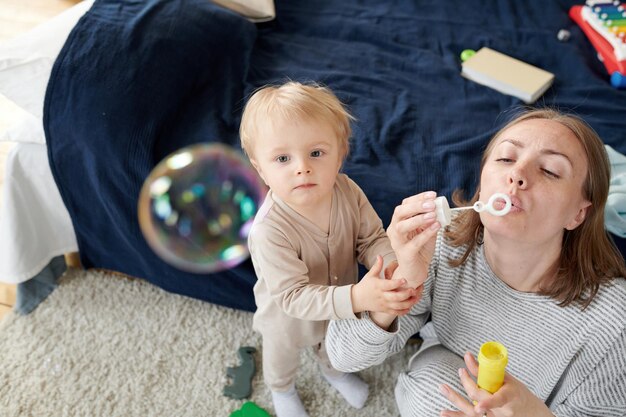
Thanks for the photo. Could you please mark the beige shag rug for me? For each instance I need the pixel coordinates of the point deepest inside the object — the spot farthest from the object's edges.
(104, 345)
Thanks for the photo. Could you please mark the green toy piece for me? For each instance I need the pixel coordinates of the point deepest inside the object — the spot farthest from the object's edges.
(241, 376)
(467, 54)
(250, 409)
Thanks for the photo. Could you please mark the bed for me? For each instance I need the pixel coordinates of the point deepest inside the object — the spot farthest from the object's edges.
(135, 81)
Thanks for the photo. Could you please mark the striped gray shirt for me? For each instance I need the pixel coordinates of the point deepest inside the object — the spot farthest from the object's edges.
(574, 360)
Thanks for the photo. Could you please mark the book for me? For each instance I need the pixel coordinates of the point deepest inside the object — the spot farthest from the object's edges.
(507, 75)
(254, 10)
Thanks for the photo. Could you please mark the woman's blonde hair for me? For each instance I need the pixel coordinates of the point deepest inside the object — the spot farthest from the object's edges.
(298, 102)
(589, 257)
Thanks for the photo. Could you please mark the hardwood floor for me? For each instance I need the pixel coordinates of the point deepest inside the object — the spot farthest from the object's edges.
(19, 16)
(16, 17)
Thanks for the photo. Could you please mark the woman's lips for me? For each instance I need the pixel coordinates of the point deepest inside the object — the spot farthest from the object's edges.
(516, 204)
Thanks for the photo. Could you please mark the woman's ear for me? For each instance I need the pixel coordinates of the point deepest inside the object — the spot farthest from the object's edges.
(580, 216)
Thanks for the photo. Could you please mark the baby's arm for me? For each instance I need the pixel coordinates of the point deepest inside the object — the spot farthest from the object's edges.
(409, 238)
(384, 299)
(372, 240)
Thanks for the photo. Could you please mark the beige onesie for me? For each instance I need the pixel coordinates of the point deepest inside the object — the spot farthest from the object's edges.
(305, 275)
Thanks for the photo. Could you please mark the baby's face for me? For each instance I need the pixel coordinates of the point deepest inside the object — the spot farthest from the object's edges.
(299, 161)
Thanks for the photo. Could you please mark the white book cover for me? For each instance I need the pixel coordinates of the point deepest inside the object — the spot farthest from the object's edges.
(507, 75)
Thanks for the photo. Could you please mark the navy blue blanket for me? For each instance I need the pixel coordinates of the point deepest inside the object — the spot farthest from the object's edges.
(138, 79)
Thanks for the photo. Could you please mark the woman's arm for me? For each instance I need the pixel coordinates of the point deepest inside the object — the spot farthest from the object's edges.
(353, 345)
(603, 392)
(412, 233)
(358, 344)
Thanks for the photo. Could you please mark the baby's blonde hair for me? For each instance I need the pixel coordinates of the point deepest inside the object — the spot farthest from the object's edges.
(294, 101)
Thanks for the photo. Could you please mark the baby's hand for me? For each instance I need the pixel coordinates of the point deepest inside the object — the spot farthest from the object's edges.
(383, 295)
(391, 268)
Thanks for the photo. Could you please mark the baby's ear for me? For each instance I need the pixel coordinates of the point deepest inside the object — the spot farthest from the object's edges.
(580, 216)
(258, 169)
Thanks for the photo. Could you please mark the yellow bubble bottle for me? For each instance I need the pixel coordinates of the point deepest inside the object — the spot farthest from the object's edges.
(492, 361)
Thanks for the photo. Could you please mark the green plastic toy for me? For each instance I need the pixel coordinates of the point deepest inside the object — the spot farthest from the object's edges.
(250, 409)
(241, 376)
(467, 54)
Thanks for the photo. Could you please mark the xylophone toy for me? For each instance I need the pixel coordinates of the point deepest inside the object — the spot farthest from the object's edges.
(604, 23)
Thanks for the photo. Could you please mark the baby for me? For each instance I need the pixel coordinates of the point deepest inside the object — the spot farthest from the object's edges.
(313, 227)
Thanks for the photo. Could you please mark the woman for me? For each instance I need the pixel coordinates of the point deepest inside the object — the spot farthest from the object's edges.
(545, 280)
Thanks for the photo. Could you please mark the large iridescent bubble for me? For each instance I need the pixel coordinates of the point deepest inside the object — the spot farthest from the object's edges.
(197, 206)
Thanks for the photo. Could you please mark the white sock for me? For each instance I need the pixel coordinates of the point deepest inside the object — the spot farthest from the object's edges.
(288, 404)
(351, 387)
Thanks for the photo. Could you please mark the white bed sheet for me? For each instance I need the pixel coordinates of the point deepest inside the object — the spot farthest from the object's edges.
(35, 226)
(34, 222)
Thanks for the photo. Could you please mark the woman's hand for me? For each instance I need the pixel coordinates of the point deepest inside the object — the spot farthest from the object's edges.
(513, 399)
(412, 234)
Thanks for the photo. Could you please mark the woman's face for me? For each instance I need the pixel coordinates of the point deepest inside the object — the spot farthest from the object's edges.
(542, 166)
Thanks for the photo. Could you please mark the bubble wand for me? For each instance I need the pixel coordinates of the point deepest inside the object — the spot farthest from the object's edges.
(444, 212)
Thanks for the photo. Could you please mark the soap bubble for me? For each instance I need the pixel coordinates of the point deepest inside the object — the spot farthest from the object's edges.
(197, 206)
